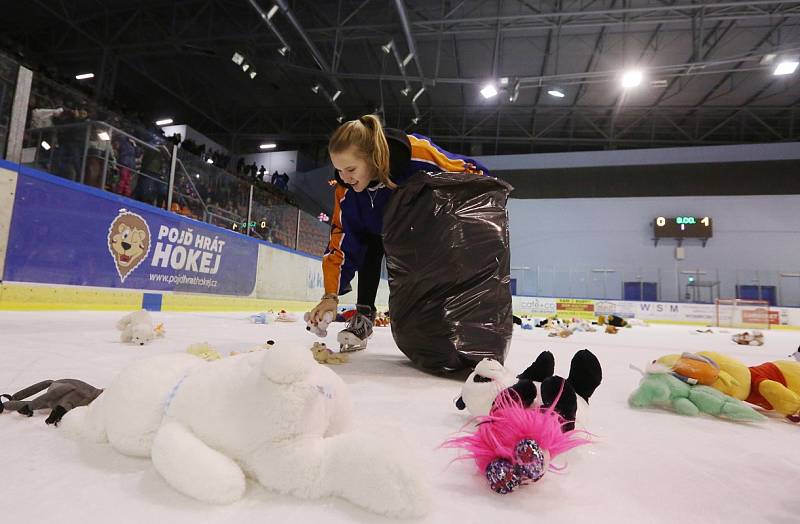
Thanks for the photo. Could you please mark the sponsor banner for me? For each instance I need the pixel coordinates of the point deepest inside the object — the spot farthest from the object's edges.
(62, 233)
(535, 306)
(575, 307)
(611, 307)
(674, 311)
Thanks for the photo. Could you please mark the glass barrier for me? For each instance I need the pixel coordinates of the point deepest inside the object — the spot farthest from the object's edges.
(8, 81)
(780, 287)
(100, 155)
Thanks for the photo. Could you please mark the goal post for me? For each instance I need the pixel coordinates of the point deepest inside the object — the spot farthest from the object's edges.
(741, 313)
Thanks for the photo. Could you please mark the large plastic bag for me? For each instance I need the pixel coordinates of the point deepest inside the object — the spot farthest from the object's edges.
(447, 253)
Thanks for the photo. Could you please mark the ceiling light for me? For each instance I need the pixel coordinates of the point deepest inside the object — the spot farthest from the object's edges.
(272, 11)
(209, 161)
(489, 90)
(245, 66)
(658, 83)
(271, 145)
(45, 145)
(102, 135)
(786, 67)
(164, 122)
(336, 95)
(315, 89)
(340, 118)
(415, 120)
(387, 48)
(197, 175)
(418, 94)
(556, 93)
(283, 50)
(406, 90)
(767, 59)
(504, 81)
(84, 76)
(237, 58)
(252, 75)
(631, 78)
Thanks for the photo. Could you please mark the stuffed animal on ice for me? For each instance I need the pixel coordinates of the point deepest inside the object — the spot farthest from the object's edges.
(320, 328)
(747, 338)
(138, 328)
(324, 355)
(61, 396)
(204, 350)
(771, 386)
(275, 416)
(684, 388)
(490, 378)
(516, 444)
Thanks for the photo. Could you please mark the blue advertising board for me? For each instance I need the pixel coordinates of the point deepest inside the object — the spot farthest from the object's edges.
(65, 233)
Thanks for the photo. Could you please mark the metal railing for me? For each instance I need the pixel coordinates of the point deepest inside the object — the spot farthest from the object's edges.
(98, 154)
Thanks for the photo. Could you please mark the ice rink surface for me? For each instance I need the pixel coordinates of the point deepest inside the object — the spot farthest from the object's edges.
(644, 466)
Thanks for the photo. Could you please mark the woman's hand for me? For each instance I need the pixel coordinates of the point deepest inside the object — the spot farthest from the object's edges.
(326, 305)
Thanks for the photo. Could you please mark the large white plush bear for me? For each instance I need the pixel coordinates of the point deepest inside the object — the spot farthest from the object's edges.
(275, 416)
(136, 327)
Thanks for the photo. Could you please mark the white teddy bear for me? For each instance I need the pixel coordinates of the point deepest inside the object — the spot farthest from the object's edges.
(320, 328)
(137, 328)
(275, 416)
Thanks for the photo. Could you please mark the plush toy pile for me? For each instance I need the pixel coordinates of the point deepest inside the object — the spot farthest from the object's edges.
(275, 416)
(517, 435)
(770, 386)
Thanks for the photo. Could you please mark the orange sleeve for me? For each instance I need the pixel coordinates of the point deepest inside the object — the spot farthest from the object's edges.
(334, 257)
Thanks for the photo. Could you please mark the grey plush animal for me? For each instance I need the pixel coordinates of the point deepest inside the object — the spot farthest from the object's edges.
(62, 395)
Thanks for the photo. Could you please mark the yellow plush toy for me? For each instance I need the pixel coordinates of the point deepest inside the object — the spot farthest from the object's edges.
(772, 385)
(204, 350)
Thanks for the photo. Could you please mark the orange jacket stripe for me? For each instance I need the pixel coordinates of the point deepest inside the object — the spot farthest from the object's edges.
(424, 151)
(333, 259)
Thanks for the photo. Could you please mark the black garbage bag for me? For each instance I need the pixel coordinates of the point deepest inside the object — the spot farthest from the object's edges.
(447, 253)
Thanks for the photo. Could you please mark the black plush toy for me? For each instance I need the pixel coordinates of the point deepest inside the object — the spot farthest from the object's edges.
(490, 378)
(62, 395)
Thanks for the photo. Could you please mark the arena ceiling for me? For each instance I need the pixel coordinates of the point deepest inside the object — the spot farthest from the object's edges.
(707, 67)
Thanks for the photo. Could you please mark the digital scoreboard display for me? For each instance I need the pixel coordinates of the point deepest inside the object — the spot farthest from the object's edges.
(682, 227)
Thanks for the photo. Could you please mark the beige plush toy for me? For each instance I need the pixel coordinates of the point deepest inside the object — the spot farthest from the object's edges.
(323, 355)
(204, 351)
(269, 344)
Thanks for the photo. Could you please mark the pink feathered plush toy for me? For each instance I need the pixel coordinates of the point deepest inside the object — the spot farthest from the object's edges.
(514, 445)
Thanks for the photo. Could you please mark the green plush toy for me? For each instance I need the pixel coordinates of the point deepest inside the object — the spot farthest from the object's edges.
(665, 390)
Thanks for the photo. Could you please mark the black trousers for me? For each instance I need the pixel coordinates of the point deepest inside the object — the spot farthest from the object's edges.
(369, 273)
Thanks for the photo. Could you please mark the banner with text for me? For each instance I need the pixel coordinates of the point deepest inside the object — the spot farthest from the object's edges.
(64, 233)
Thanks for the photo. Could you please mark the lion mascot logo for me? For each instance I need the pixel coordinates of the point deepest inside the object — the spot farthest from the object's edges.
(128, 242)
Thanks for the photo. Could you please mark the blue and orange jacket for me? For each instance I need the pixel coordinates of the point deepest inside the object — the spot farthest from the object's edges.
(358, 214)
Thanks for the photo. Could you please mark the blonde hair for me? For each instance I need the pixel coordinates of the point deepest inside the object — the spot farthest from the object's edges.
(366, 135)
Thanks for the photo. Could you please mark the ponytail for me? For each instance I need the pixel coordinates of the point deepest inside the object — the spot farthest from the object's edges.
(366, 134)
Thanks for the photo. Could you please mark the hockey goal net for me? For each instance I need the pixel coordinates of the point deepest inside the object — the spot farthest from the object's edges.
(740, 313)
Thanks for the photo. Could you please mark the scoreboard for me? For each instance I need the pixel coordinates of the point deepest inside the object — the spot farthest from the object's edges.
(683, 227)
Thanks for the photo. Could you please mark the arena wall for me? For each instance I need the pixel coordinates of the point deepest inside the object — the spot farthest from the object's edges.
(56, 252)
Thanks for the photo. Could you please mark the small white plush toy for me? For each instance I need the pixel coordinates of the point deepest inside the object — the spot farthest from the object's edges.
(321, 328)
(137, 328)
(483, 385)
(275, 416)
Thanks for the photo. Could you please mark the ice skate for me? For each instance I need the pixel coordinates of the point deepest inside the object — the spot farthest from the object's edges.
(359, 329)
